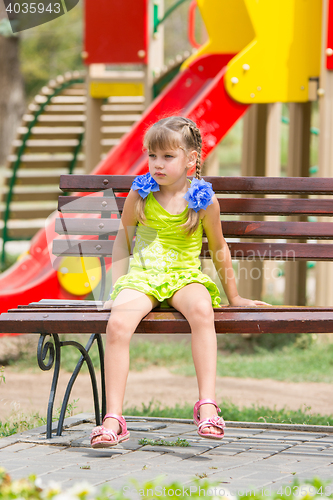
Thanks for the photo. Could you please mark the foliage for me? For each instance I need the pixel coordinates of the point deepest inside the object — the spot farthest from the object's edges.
(32, 488)
(2, 377)
(10, 259)
(51, 49)
(18, 422)
(164, 442)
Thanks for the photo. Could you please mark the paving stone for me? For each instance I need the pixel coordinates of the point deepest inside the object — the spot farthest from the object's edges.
(246, 458)
(15, 448)
(259, 454)
(177, 450)
(311, 449)
(250, 469)
(293, 451)
(306, 436)
(290, 437)
(246, 486)
(173, 429)
(17, 473)
(238, 432)
(145, 426)
(8, 441)
(269, 475)
(325, 439)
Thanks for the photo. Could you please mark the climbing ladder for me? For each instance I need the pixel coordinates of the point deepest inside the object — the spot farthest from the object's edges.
(50, 142)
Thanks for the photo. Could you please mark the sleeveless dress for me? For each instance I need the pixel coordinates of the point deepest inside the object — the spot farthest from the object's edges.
(165, 258)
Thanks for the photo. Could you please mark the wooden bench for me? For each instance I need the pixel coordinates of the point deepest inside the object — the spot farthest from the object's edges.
(92, 236)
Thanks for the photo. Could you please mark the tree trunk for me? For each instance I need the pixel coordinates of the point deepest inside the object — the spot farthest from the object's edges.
(12, 102)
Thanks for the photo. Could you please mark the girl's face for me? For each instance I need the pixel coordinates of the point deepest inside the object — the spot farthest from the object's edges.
(168, 166)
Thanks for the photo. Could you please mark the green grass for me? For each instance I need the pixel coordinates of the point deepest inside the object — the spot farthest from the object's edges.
(164, 442)
(277, 357)
(19, 422)
(290, 364)
(232, 412)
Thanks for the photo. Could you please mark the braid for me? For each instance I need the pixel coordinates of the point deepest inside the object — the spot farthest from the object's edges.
(198, 140)
(196, 135)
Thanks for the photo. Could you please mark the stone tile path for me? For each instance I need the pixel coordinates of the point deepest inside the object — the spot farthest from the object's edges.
(250, 457)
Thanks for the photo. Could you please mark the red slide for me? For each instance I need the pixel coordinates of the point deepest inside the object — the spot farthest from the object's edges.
(197, 93)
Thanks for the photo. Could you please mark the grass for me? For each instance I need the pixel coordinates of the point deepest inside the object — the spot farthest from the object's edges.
(19, 422)
(163, 442)
(289, 364)
(280, 357)
(232, 412)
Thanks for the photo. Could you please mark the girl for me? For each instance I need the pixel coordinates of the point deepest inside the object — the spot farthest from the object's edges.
(171, 213)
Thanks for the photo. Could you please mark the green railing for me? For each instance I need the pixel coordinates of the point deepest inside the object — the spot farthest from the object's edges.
(173, 7)
(57, 90)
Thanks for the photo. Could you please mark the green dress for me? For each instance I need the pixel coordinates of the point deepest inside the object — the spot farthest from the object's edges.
(165, 258)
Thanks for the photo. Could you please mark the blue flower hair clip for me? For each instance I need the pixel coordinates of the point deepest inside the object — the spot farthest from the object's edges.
(145, 184)
(199, 195)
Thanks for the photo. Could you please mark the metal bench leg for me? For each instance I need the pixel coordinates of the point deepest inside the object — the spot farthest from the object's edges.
(42, 352)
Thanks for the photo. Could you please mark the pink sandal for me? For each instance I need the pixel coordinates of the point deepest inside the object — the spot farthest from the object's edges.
(115, 438)
(208, 422)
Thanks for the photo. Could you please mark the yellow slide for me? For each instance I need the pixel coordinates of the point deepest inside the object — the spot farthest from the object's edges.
(277, 43)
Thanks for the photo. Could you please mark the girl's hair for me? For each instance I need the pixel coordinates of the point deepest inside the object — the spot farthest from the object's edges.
(172, 133)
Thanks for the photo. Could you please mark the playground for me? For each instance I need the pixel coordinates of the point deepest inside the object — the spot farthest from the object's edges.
(92, 122)
(262, 95)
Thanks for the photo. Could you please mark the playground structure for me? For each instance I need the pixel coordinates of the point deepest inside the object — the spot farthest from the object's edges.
(250, 66)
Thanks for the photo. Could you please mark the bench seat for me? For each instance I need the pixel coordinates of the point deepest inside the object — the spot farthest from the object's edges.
(88, 221)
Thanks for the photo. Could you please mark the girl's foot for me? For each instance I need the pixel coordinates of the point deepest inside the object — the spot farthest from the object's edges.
(205, 415)
(111, 424)
(113, 432)
(207, 411)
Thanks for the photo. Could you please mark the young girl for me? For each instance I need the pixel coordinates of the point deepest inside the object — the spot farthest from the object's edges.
(171, 213)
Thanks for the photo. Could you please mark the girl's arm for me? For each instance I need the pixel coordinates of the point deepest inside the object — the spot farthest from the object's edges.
(220, 254)
(122, 244)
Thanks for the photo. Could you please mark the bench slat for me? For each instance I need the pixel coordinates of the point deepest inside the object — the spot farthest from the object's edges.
(89, 204)
(239, 250)
(86, 248)
(280, 251)
(164, 322)
(240, 206)
(253, 185)
(67, 308)
(236, 229)
(87, 226)
(276, 229)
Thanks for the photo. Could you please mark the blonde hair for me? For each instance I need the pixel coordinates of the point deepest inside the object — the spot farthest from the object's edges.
(172, 133)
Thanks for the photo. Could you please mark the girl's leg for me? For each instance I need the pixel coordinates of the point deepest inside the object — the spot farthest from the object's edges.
(128, 309)
(195, 303)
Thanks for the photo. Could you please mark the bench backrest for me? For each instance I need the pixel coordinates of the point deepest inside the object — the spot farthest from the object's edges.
(94, 235)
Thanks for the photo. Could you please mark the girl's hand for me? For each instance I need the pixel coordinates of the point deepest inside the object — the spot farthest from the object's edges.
(240, 301)
(108, 304)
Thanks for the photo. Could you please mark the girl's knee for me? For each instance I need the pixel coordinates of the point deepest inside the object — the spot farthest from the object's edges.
(201, 312)
(117, 329)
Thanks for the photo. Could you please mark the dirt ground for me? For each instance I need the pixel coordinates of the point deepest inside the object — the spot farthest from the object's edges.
(28, 392)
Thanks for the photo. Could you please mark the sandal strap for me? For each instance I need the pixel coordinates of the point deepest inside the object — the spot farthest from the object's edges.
(120, 419)
(200, 403)
(101, 430)
(212, 422)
